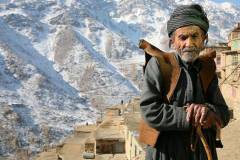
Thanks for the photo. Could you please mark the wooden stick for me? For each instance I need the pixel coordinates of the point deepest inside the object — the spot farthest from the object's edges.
(204, 142)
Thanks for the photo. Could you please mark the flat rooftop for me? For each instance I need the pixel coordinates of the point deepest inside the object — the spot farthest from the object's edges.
(111, 128)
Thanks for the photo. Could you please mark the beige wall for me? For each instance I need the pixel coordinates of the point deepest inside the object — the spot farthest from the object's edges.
(231, 89)
(229, 66)
(134, 150)
(231, 94)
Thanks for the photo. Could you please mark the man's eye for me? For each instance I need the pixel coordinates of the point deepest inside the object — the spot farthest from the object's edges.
(194, 36)
(183, 38)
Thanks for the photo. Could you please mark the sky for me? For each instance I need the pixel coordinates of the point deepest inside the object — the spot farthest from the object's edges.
(232, 1)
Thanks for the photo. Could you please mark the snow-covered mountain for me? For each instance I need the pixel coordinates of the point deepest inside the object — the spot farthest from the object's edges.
(60, 60)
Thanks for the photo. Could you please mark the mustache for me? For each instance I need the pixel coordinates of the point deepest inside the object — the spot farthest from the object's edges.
(191, 49)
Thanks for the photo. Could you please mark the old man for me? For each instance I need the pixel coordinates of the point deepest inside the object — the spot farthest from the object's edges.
(196, 99)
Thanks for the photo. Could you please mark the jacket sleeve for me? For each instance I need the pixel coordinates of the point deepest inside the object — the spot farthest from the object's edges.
(217, 103)
(155, 112)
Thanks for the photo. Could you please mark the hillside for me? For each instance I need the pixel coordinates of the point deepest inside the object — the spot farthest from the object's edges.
(61, 61)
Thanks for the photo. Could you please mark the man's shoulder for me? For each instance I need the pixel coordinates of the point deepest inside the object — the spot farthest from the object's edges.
(167, 58)
(153, 64)
(163, 65)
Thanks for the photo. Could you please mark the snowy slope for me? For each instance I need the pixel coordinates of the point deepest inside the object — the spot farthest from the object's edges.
(60, 60)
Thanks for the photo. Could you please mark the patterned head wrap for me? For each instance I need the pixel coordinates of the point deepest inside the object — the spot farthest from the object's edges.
(186, 15)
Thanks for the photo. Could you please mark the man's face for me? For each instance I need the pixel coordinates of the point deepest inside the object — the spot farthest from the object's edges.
(188, 42)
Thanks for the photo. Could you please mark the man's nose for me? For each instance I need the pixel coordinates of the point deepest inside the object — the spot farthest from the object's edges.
(189, 42)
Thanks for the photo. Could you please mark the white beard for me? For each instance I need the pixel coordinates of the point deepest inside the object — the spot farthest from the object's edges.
(189, 56)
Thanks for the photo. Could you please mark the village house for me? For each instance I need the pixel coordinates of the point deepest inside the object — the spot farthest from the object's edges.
(109, 135)
(114, 137)
(135, 150)
(230, 72)
(219, 48)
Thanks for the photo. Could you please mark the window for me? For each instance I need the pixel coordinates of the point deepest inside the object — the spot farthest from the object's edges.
(89, 147)
(218, 60)
(131, 141)
(135, 150)
(235, 59)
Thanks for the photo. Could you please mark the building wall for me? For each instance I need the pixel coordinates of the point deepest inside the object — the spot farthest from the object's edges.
(230, 88)
(234, 40)
(134, 150)
(219, 55)
(228, 64)
(231, 94)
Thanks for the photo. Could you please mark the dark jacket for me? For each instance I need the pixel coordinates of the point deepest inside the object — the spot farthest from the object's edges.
(170, 119)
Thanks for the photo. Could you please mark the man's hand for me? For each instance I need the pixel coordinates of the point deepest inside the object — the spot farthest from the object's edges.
(196, 113)
(211, 119)
(201, 114)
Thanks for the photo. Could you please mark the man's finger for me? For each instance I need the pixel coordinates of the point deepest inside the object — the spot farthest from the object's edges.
(195, 110)
(198, 115)
(189, 113)
(204, 113)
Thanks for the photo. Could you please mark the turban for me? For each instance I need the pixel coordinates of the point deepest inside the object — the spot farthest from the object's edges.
(186, 15)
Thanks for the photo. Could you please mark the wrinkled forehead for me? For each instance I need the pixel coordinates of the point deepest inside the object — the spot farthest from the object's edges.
(189, 30)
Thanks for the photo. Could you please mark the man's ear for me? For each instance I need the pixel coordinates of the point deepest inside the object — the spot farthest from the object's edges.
(171, 41)
(206, 40)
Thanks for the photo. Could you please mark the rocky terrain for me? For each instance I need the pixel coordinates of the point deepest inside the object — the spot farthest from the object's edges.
(61, 61)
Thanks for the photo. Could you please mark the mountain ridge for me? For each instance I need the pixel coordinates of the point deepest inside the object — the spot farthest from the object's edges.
(64, 60)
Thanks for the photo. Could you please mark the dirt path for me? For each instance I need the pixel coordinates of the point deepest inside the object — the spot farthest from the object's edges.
(231, 142)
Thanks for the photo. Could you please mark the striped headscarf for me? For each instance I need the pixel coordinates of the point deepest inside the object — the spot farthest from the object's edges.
(186, 15)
